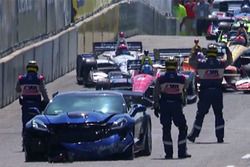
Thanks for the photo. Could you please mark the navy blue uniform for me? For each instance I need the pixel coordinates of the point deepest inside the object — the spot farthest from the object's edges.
(210, 72)
(31, 88)
(168, 95)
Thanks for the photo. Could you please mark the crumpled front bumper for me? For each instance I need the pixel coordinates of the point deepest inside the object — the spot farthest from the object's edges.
(106, 147)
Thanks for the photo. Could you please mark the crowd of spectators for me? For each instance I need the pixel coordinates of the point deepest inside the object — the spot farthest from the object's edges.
(192, 14)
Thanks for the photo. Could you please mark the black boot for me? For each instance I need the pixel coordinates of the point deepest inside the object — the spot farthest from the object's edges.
(186, 155)
(220, 140)
(168, 156)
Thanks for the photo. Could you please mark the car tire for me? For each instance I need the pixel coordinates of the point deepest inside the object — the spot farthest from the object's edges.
(129, 153)
(246, 91)
(29, 155)
(79, 82)
(148, 142)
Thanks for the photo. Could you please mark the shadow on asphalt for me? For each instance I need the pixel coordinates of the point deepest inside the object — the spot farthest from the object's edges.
(173, 159)
(209, 143)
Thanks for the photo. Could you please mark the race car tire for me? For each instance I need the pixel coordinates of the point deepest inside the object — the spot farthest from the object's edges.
(246, 91)
(86, 67)
(103, 85)
(148, 142)
(79, 82)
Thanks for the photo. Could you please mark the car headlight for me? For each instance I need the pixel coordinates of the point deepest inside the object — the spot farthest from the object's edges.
(119, 123)
(39, 125)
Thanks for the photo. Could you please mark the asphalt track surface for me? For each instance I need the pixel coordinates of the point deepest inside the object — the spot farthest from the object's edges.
(235, 152)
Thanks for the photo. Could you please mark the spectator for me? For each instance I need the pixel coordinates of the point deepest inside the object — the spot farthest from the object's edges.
(190, 20)
(202, 10)
(179, 11)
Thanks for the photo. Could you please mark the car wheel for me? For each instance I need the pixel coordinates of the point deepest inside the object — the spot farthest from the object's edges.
(148, 142)
(29, 155)
(129, 153)
(246, 91)
(79, 82)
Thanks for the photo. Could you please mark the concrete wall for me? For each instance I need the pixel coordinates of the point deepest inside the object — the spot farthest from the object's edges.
(55, 56)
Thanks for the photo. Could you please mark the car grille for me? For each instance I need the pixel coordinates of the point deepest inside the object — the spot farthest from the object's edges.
(79, 132)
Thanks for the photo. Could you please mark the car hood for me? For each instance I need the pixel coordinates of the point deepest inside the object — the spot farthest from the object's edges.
(79, 117)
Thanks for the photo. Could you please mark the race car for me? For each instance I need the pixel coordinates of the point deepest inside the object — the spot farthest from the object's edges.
(101, 71)
(80, 125)
(243, 84)
(181, 54)
(105, 50)
(232, 73)
(115, 80)
(228, 6)
(145, 82)
(141, 81)
(216, 25)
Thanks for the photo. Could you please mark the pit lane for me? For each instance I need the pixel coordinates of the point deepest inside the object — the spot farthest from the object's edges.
(206, 152)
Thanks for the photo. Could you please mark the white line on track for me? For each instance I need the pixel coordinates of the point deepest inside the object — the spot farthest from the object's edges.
(247, 156)
(230, 166)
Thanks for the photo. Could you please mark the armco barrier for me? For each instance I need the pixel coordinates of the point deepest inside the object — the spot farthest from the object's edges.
(43, 55)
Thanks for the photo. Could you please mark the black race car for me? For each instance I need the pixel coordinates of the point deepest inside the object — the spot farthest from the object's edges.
(104, 50)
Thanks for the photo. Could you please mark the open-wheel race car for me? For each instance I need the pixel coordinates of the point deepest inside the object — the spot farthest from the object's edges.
(243, 84)
(144, 82)
(106, 50)
(182, 54)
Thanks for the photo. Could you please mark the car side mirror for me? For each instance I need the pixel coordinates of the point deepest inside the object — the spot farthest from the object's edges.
(54, 94)
(137, 108)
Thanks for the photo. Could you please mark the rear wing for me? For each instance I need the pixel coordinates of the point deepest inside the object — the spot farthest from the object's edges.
(100, 47)
(160, 54)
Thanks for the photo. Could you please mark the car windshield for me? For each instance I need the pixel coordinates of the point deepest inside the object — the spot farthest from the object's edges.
(107, 104)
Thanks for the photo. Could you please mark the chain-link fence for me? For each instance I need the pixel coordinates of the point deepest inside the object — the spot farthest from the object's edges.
(26, 21)
(162, 6)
